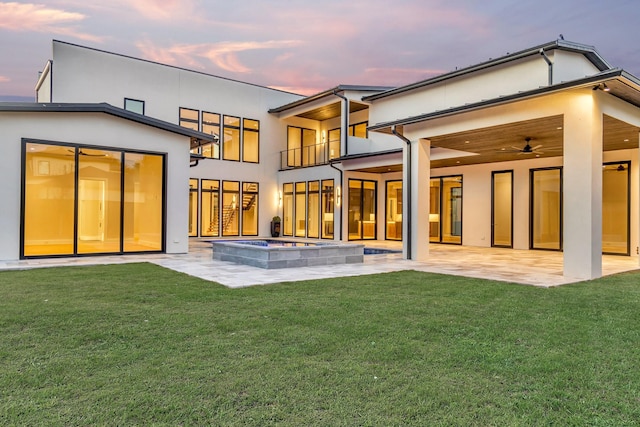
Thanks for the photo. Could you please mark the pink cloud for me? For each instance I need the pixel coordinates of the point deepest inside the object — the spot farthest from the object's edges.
(39, 18)
(4, 79)
(223, 54)
(162, 10)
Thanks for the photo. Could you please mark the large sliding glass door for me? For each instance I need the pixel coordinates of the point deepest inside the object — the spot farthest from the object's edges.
(502, 209)
(362, 209)
(546, 209)
(445, 209)
(89, 200)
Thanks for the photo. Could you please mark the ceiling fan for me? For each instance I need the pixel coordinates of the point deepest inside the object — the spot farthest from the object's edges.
(527, 149)
(82, 153)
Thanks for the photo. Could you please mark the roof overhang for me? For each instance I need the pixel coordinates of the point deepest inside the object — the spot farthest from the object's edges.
(620, 83)
(196, 138)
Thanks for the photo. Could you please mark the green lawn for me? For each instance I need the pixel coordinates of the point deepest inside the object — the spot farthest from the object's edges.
(141, 345)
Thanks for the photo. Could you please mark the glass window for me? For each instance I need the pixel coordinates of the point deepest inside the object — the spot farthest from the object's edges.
(362, 209)
(193, 207)
(287, 207)
(249, 208)
(502, 209)
(546, 209)
(394, 210)
(445, 210)
(134, 105)
(327, 209)
(313, 210)
(49, 199)
(434, 210)
(108, 208)
(359, 130)
(211, 126)
(99, 200)
(190, 118)
(302, 147)
(250, 140)
(334, 143)
(300, 222)
(616, 208)
(230, 208)
(231, 143)
(209, 208)
(143, 202)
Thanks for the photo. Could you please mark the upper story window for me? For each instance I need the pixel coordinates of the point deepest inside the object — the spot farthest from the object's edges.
(358, 130)
(231, 142)
(190, 118)
(211, 126)
(134, 105)
(250, 140)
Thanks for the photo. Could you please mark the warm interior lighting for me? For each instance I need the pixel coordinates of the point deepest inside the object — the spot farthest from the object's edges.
(338, 196)
(279, 199)
(434, 217)
(605, 87)
(398, 218)
(233, 202)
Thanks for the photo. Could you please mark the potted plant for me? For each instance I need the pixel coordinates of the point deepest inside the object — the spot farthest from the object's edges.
(275, 226)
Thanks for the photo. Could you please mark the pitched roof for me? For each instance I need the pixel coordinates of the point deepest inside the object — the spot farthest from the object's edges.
(588, 51)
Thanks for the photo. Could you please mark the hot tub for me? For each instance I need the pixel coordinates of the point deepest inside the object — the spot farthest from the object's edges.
(287, 253)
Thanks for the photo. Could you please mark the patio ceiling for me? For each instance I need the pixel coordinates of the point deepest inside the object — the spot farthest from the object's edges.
(331, 111)
(496, 144)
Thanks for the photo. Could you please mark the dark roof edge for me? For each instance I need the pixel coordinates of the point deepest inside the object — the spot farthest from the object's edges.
(589, 51)
(606, 75)
(320, 95)
(364, 155)
(174, 67)
(20, 107)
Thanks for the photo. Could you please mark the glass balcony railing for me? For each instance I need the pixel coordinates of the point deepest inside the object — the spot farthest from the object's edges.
(309, 155)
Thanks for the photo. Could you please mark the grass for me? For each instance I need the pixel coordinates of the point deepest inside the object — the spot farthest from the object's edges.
(140, 345)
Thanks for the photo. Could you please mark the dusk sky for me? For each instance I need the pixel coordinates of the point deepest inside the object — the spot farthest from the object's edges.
(306, 47)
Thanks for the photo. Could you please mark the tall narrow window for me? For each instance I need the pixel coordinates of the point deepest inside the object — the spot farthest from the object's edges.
(193, 207)
(231, 142)
(362, 209)
(334, 143)
(546, 209)
(434, 210)
(250, 140)
(209, 208)
(49, 199)
(249, 208)
(313, 210)
(502, 209)
(99, 201)
(394, 210)
(300, 222)
(143, 202)
(327, 209)
(445, 212)
(287, 209)
(211, 126)
(230, 208)
(616, 208)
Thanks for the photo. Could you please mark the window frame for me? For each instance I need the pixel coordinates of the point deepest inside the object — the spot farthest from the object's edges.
(250, 130)
(134, 100)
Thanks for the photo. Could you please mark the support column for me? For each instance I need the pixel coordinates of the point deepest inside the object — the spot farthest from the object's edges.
(418, 217)
(582, 187)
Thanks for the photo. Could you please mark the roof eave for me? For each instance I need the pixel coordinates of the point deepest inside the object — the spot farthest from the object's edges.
(598, 78)
(326, 93)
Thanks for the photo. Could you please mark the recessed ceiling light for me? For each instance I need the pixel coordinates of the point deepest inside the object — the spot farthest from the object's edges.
(626, 140)
(458, 162)
(559, 128)
(537, 155)
(503, 148)
(466, 142)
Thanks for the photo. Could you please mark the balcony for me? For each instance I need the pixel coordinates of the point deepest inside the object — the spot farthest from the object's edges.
(309, 155)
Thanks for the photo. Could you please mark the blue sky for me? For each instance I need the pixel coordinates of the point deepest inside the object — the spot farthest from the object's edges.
(306, 47)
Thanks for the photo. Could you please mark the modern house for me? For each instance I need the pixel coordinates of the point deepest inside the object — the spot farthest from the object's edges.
(535, 150)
